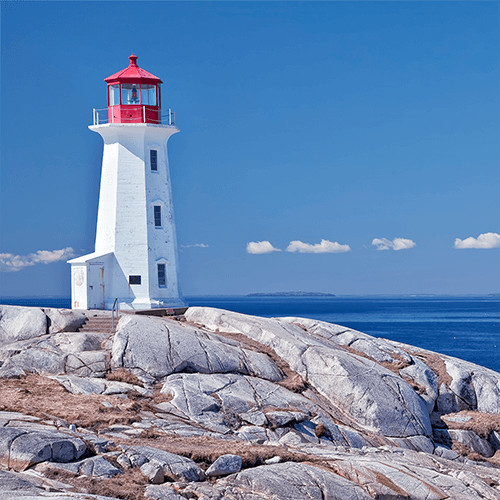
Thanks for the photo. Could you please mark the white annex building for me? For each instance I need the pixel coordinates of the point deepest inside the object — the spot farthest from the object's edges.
(134, 264)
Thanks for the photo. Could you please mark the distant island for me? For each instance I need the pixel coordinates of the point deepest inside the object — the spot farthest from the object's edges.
(291, 294)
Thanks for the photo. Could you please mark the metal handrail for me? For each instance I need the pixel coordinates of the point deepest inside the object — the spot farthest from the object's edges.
(100, 117)
(96, 119)
(115, 307)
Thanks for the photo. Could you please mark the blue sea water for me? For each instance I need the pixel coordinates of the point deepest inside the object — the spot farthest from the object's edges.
(464, 327)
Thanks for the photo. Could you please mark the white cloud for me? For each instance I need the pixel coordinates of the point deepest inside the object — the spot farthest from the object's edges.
(485, 240)
(196, 245)
(324, 247)
(258, 247)
(11, 263)
(395, 244)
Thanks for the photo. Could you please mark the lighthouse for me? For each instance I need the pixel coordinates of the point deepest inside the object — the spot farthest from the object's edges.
(134, 265)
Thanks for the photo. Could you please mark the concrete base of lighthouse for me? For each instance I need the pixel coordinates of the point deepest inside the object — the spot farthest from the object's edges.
(92, 288)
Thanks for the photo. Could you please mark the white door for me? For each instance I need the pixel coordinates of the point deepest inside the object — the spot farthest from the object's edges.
(96, 286)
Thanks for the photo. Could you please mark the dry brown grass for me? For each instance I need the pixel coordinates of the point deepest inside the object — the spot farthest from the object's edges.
(436, 364)
(128, 486)
(321, 430)
(151, 434)
(122, 375)
(396, 366)
(205, 450)
(38, 396)
(294, 383)
(464, 451)
(481, 423)
(161, 397)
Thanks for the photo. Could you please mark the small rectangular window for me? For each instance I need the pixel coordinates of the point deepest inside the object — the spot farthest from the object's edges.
(134, 280)
(153, 157)
(162, 277)
(157, 209)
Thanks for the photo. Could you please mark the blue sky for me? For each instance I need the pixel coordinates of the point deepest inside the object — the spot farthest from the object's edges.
(347, 122)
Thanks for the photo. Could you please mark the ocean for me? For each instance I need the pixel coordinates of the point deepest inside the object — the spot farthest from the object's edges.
(464, 327)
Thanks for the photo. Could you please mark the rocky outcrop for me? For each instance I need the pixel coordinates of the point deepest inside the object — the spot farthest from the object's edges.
(31, 340)
(21, 323)
(224, 465)
(308, 482)
(154, 349)
(64, 320)
(223, 405)
(371, 395)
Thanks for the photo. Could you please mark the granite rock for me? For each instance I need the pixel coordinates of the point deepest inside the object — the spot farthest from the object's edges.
(293, 481)
(373, 396)
(217, 400)
(467, 438)
(153, 471)
(159, 348)
(155, 492)
(175, 467)
(79, 342)
(224, 465)
(20, 448)
(64, 320)
(20, 323)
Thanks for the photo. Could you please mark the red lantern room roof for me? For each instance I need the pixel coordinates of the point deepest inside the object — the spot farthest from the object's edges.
(132, 74)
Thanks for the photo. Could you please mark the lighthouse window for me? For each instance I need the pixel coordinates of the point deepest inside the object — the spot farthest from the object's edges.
(162, 277)
(153, 156)
(114, 95)
(148, 95)
(134, 280)
(157, 212)
(130, 94)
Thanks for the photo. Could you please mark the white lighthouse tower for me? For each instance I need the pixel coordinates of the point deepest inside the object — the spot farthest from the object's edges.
(135, 258)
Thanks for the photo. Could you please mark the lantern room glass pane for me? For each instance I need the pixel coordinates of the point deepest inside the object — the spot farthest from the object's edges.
(148, 95)
(130, 93)
(114, 95)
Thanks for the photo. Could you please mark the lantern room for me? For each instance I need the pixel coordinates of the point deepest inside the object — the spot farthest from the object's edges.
(134, 95)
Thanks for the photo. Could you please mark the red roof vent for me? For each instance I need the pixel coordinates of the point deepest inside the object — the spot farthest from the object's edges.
(133, 60)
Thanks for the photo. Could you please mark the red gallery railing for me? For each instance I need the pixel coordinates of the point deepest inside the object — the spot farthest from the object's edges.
(101, 117)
